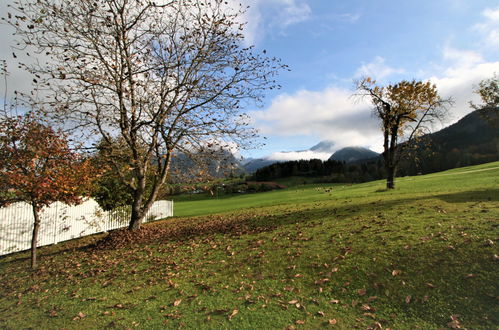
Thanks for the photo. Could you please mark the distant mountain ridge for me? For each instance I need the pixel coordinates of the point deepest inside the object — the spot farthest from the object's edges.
(319, 150)
(353, 154)
(473, 140)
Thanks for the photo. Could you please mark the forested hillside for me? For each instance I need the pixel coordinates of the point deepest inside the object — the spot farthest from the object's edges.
(472, 140)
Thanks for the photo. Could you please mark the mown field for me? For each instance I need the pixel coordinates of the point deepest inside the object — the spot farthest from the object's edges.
(422, 256)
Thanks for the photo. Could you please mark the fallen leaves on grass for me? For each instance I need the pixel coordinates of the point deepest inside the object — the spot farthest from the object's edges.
(455, 323)
(79, 316)
(180, 229)
(234, 313)
(396, 272)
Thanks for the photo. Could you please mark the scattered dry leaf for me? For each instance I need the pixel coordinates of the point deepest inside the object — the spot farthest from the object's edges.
(396, 272)
(234, 313)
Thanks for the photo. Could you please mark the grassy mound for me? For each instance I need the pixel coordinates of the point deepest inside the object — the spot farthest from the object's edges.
(424, 255)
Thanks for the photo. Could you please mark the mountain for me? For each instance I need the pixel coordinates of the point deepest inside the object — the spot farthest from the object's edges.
(258, 163)
(326, 146)
(473, 140)
(207, 163)
(322, 150)
(353, 154)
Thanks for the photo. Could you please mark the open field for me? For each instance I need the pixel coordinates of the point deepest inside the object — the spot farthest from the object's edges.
(423, 255)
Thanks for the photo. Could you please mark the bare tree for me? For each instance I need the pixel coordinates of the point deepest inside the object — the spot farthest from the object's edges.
(162, 76)
(406, 111)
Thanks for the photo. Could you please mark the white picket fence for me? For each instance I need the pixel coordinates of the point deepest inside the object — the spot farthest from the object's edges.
(61, 222)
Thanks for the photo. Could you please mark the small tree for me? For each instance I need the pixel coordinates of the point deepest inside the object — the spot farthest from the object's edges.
(488, 90)
(406, 111)
(165, 75)
(38, 167)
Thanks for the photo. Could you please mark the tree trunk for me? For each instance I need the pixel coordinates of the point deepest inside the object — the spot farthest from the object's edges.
(391, 159)
(390, 177)
(34, 238)
(136, 218)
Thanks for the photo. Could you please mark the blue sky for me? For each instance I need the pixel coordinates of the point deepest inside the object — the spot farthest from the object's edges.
(329, 43)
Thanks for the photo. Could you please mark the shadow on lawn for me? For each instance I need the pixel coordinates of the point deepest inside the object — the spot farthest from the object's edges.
(236, 224)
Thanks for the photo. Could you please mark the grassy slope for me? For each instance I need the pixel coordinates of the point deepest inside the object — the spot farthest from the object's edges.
(359, 255)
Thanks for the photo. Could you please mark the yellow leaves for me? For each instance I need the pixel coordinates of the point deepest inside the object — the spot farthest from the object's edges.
(234, 313)
(366, 307)
(454, 323)
(396, 272)
(177, 302)
(79, 316)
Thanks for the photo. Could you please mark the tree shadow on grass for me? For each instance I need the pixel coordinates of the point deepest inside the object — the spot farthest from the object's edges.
(239, 223)
(485, 195)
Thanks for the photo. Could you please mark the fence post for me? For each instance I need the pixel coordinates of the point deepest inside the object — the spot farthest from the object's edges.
(55, 222)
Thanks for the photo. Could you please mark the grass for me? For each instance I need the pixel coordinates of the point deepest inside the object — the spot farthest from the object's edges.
(423, 255)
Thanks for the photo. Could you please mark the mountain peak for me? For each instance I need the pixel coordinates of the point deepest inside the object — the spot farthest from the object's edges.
(324, 146)
(352, 154)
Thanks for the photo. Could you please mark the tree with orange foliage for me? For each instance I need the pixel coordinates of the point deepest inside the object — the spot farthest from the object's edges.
(406, 110)
(38, 167)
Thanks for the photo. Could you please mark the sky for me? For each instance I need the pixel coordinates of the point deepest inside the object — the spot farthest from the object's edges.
(330, 43)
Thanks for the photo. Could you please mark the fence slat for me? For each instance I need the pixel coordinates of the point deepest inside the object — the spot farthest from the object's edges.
(61, 222)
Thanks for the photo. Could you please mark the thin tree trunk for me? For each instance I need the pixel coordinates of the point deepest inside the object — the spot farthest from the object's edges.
(390, 178)
(34, 238)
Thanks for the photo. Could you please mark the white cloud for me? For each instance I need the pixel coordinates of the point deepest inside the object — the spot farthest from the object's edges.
(377, 69)
(264, 15)
(457, 58)
(333, 114)
(349, 17)
(490, 27)
(18, 79)
(297, 155)
(491, 14)
(458, 82)
(329, 114)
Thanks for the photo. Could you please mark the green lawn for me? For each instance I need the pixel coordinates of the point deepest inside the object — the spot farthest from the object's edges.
(423, 255)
